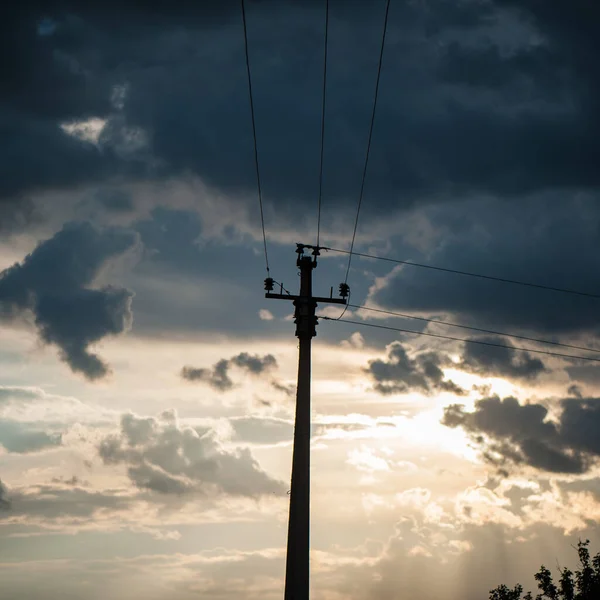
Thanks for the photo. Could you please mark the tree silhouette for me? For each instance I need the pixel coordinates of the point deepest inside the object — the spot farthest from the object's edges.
(583, 584)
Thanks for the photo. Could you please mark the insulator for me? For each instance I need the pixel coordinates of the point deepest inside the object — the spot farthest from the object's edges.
(269, 283)
(344, 290)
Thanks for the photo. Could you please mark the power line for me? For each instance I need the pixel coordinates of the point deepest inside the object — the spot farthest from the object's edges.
(262, 216)
(490, 331)
(456, 339)
(364, 176)
(281, 287)
(469, 274)
(323, 121)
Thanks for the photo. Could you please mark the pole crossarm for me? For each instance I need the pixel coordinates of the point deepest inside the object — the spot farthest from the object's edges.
(315, 298)
(329, 300)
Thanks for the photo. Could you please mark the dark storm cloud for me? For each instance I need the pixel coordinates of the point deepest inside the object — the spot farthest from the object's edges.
(16, 214)
(115, 200)
(474, 101)
(445, 127)
(163, 457)
(400, 374)
(21, 438)
(500, 362)
(50, 80)
(218, 376)
(511, 433)
(549, 241)
(54, 283)
(572, 29)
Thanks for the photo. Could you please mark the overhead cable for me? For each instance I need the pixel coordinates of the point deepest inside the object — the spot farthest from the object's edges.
(323, 122)
(364, 175)
(468, 274)
(260, 202)
(478, 329)
(465, 340)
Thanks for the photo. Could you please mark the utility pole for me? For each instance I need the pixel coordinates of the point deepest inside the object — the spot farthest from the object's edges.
(297, 570)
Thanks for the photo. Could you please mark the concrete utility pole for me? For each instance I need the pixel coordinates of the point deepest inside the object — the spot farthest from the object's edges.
(298, 545)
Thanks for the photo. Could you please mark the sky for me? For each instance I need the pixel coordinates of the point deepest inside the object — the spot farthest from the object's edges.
(147, 387)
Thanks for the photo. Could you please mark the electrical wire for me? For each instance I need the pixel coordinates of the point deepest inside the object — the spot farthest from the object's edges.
(469, 274)
(282, 288)
(323, 122)
(364, 175)
(456, 339)
(490, 331)
(260, 202)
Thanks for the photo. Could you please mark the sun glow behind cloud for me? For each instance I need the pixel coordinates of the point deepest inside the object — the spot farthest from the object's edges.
(491, 385)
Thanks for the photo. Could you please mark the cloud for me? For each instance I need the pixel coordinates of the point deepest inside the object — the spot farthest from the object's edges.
(39, 410)
(587, 374)
(528, 127)
(262, 430)
(265, 315)
(575, 390)
(114, 200)
(17, 214)
(23, 439)
(510, 433)
(218, 377)
(164, 457)
(4, 501)
(356, 341)
(254, 364)
(73, 480)
(55, 282)
(550, 241)
(71, 505)
(288, 389)
(352, 427)
(370, 570)
(366, 459)
(42, 504)
(500, 362)
(210, 574)
(165, 81)
(400, 374)
(10, 395)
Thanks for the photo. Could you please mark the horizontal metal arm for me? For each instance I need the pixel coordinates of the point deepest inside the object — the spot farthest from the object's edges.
(281, 296)
(315, 298)
(330, 300)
